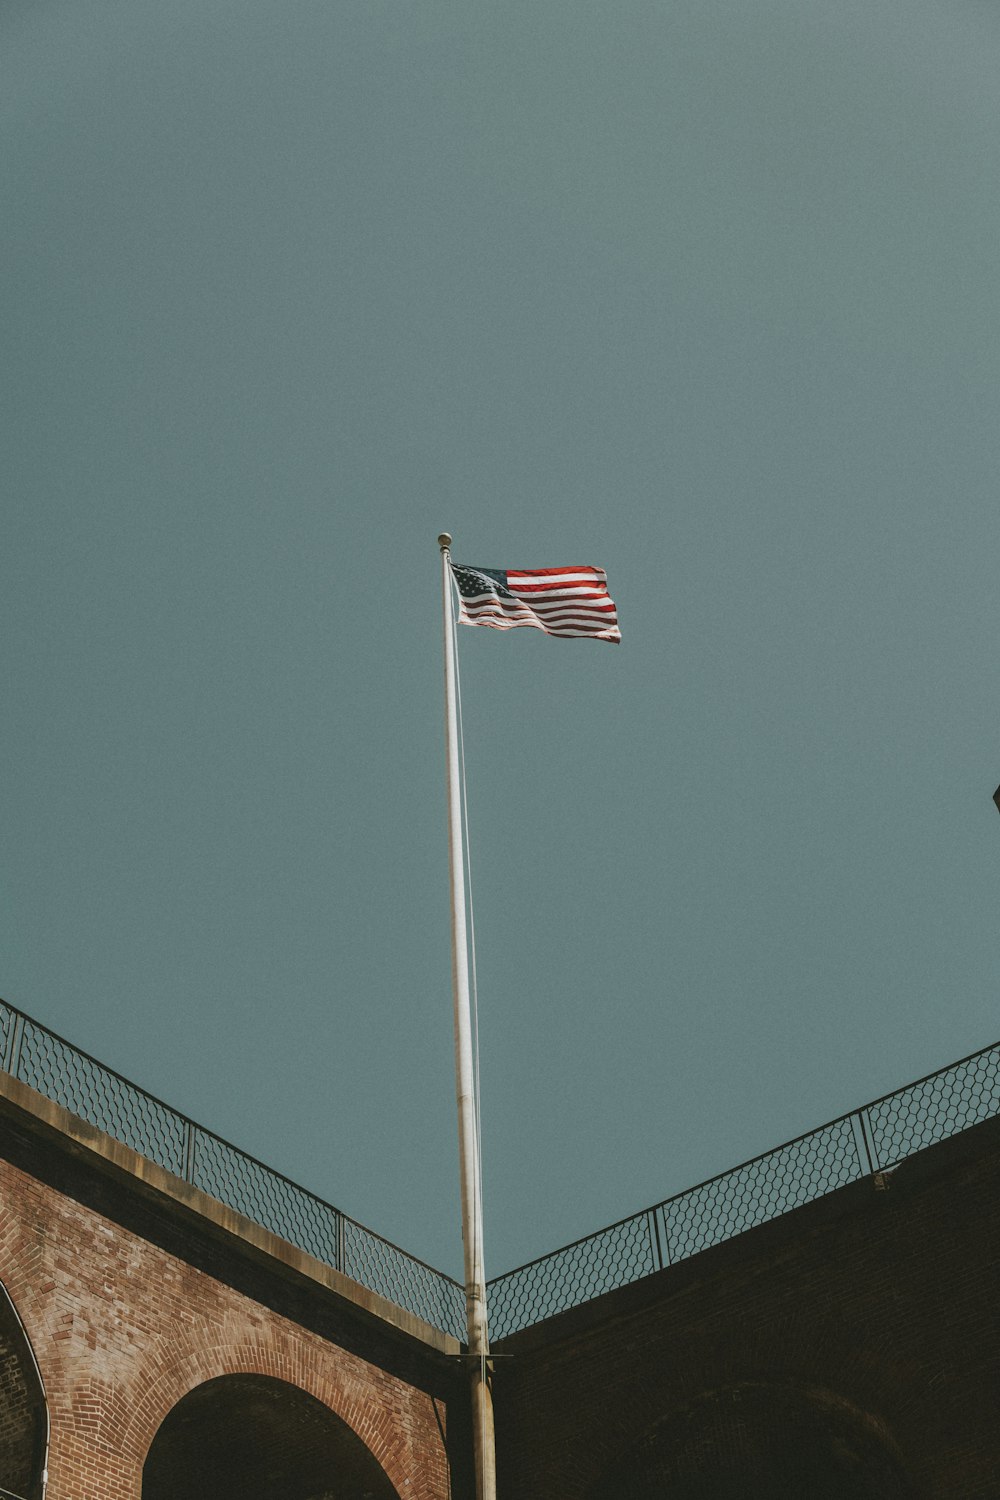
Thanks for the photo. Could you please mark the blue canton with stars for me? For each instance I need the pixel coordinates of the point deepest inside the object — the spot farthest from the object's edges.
(473, 581)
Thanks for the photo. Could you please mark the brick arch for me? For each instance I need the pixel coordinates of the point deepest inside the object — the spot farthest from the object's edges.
(760, 1436)
(20, 1261)
(24, 1416)
(795, 1346)
(176, 1372)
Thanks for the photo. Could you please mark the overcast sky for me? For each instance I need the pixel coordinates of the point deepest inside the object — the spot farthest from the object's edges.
(703, 292)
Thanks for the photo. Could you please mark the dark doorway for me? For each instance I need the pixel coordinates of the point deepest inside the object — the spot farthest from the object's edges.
(250, 1435)
(761, 1442)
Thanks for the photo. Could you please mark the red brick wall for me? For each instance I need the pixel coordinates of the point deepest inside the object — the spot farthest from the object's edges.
(879, 1304)
(123, 1328)
(868, 1318)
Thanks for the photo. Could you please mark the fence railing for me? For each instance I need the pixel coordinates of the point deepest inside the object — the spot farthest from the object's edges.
(36, 1056)
(874, 1138)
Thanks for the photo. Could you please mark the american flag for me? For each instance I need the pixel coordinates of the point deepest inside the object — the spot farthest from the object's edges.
(560, 601)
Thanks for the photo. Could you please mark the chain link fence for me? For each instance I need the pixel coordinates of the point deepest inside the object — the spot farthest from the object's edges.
(874, 1138)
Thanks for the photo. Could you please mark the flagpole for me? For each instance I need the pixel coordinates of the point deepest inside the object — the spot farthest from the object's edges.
(468, 1135)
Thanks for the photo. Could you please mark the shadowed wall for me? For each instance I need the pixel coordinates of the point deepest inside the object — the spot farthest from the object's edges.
(847, 1349)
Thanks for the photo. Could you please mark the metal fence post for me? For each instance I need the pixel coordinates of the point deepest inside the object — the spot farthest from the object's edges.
(13, 1057)
(341, 1250)
(654, 1238)
(190, 1137)
(864, 1125)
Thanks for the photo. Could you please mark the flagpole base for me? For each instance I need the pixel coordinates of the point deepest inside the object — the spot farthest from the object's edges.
(483, 1438)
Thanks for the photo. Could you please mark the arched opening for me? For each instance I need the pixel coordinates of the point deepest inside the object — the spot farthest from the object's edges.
(243, 1435)
(761, 1442)
(23, 1416)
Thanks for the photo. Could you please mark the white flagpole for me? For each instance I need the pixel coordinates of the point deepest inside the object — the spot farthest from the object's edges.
(468, 1136)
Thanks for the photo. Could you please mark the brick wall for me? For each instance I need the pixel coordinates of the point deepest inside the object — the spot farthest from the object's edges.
(848, 1349)
(863, 1326)
(129, 1308)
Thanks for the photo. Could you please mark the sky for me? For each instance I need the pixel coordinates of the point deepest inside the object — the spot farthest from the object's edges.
(703, 292)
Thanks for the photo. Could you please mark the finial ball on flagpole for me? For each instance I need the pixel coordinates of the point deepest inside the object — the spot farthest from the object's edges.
(444, 541)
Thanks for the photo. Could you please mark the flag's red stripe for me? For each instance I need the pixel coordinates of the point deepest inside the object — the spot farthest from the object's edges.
(584, 568)
(547, 604)
(603, 615)
(584, 589)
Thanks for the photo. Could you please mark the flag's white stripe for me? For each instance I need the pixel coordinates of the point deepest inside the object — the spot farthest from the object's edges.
(550, 623)
(565, 575)
(492, 609)
(588, 620)
(554, 609)
(572, 601)
(569, 586)
(564, 596)
(566, 601)
(583, 635)
(571, 622)
(595, 621)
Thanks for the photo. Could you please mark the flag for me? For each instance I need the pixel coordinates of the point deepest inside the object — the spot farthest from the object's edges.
(560, 601)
